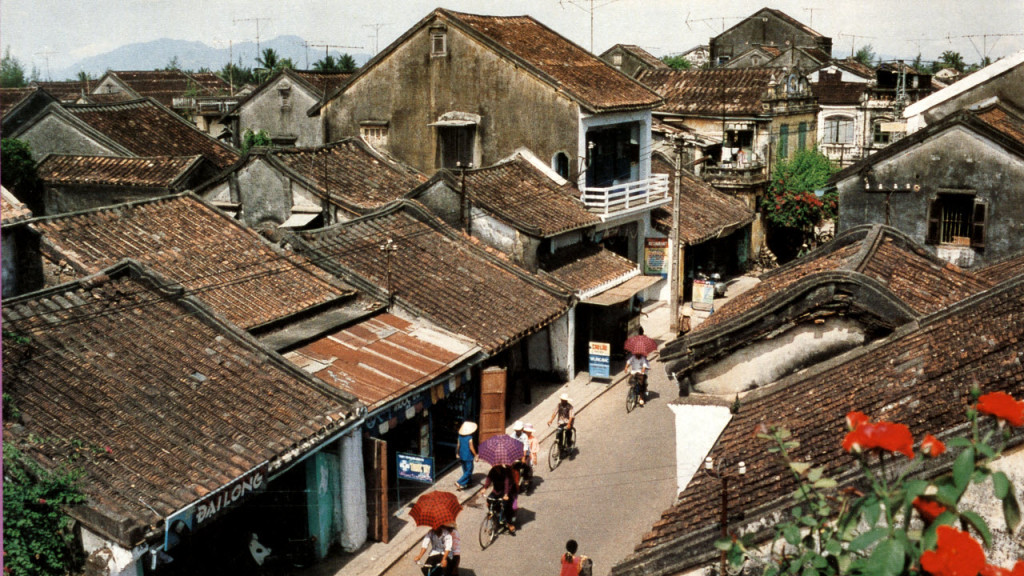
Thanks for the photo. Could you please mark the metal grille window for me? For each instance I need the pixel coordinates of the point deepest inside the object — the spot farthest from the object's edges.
(880, 136)
(838, 130)
(376, 136)
(957, 218)
(438, 44)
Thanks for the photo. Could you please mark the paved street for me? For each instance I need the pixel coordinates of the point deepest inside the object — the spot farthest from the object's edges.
(609, 494)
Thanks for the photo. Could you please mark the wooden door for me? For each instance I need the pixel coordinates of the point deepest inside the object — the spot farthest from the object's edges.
(492, 402)
(375, 462)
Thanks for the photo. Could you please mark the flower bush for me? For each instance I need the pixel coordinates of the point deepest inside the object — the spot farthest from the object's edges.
(847, 531)
(791, 202)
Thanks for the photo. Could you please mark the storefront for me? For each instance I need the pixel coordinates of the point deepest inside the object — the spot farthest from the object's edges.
(611, 316)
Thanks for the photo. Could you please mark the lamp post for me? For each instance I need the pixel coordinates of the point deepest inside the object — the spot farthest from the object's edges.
(723, 474)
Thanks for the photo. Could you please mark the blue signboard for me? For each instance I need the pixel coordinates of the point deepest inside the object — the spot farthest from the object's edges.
(600, 360)
(415, 468)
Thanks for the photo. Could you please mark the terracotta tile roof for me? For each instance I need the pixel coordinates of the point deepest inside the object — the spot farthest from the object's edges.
(68, 91)
(12, 210)
(998, 272)
(152, 396)
(716, 91)
(148, 129)
(323, 82)
(107, 98)
(586, 267)
(644, 56)
(911, 274)
(1006, 123)
(351, 172)
(817, 53)
(439, 274)
(585, 77)
(920, 377)
(857, 66)
(519, 193)
(161, 171)
(11, 97)
(166, 85)
(227, 266)
(382, 358)
(707, 213)
(838, 93)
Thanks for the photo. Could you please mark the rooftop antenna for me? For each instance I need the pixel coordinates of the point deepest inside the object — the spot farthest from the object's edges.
(810, 23)
(326, 48)
(257, 21)
(46, 57)
(853, 38)
(376, 33)
(590, 10)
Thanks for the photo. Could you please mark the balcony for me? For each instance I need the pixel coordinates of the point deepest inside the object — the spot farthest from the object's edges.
(630, 196)
(204, 105)
(842, 154)
(733, 175)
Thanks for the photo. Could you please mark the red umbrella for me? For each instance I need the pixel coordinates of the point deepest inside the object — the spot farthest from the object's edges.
(501, 450)
(435, 509)
(640, 344)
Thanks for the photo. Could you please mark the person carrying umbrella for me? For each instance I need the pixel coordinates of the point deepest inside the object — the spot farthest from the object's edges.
(438, 510)
(639, 347)
(503, 480)
(439, 542)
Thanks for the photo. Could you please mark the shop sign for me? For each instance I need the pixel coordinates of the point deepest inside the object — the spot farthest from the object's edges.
(655, 252)
(703, 295)
(416, 468)
(200, 513)
(600, 359)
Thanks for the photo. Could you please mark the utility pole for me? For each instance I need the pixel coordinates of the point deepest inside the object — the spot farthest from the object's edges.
(673, 300)
(853, 38)
(257, 21)
(376, 33)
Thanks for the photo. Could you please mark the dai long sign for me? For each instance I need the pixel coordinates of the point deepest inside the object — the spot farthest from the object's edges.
(233, 493)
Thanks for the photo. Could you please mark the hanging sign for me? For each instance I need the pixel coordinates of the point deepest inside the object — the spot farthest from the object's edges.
(415, 467)
(655, 251)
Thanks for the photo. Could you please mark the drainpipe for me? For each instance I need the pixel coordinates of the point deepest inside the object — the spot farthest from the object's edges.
(466, 206)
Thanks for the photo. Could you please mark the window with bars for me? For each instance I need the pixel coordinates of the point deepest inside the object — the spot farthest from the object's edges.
(439, 44)
(376, 136)
(880, 136)
(957, 218)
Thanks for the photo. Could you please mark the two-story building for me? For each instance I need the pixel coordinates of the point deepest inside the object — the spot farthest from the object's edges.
(454, 90)
(770, 28)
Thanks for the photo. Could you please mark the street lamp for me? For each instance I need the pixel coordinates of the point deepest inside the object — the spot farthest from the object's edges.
(723, 474)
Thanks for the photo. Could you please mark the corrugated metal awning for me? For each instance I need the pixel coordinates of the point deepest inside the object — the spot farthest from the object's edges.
(623, 291)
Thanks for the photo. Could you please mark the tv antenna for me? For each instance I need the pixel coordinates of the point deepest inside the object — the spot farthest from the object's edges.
(257, 21)
(589, 10)
(45, 53)
(706, 20)
(376, 33)
(326, 48)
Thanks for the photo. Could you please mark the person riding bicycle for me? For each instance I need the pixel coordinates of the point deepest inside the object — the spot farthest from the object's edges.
(638, 364)
(523, 466)
(503, 480)
(564, 415)
(439, 544)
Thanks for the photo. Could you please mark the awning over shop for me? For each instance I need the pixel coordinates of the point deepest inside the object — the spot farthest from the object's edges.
(623, 291)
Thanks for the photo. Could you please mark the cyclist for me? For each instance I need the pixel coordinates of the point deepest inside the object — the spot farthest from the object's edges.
(564, 415)
(638, 364)
(439, 544)
(503, 479)
(523, 465)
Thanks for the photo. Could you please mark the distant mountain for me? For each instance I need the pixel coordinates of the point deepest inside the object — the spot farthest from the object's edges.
(194, 55)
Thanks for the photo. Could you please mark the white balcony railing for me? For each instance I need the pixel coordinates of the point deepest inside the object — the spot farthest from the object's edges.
(628, 196)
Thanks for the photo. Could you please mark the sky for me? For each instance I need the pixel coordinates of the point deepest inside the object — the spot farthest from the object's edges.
(58, 33)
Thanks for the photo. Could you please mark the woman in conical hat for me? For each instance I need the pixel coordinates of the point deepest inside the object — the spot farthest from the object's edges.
(467, 454)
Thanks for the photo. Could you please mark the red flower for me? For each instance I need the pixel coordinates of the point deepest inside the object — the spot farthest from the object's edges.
(957, 554)
(928, 509)
(42, 500)
(990, 570)
(880, 435)
(855, 419)
(1002, 406)
(932, 446)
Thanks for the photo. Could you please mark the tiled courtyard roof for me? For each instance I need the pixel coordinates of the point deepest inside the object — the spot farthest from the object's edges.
(162, 171)
(715, 91)
(586, 267)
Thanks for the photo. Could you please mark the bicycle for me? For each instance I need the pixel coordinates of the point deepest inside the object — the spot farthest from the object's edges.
(562, 446)
(633, 394)
(494, 522)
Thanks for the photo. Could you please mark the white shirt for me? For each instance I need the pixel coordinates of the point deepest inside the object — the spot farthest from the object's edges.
(522, 437)
(638, 364)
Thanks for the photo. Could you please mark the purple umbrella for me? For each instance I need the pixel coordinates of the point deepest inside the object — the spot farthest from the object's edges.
(501, 450)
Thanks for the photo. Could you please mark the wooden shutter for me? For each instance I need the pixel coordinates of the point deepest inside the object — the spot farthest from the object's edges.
(978, 220)
(375, 462)
(492, 402)
(783, 141)
(934, 218)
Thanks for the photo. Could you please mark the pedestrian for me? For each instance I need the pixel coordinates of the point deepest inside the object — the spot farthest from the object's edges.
(502, 479)
(534, 443)
(455, 558)
(467, 454)
(571, 564)
(439, 544)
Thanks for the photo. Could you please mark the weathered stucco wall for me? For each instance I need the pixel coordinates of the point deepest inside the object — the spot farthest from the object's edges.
(410, 89)
(766, 361)
(697, 429)
(283, 116)
(265, 194)
(9, 280)
(769, 30)
(957, 159)
(53, 135)
(63, 199)
(444, 203)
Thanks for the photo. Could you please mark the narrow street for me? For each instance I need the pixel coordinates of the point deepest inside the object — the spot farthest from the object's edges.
(611, 492)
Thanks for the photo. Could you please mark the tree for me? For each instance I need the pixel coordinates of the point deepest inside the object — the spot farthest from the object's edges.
(951, 59)
(173, 64)
(38, 535)
(12, 73)
(347, 64)
(919, 64)
(792, 201)
(677, 62)
(326, 64)
(236, 74)
(84, 77)
(865, 55)
(18, 173)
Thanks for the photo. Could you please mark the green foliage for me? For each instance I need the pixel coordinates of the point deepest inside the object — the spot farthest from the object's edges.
(791, 202)
(236, 74)
(259, 138)
(18, 173)
(951, 59)
(865, 55)
(677, 62)
(12, 73)
(347, 64)
(271, 63)
(173, 64)
(38, 535)
(831, 532)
